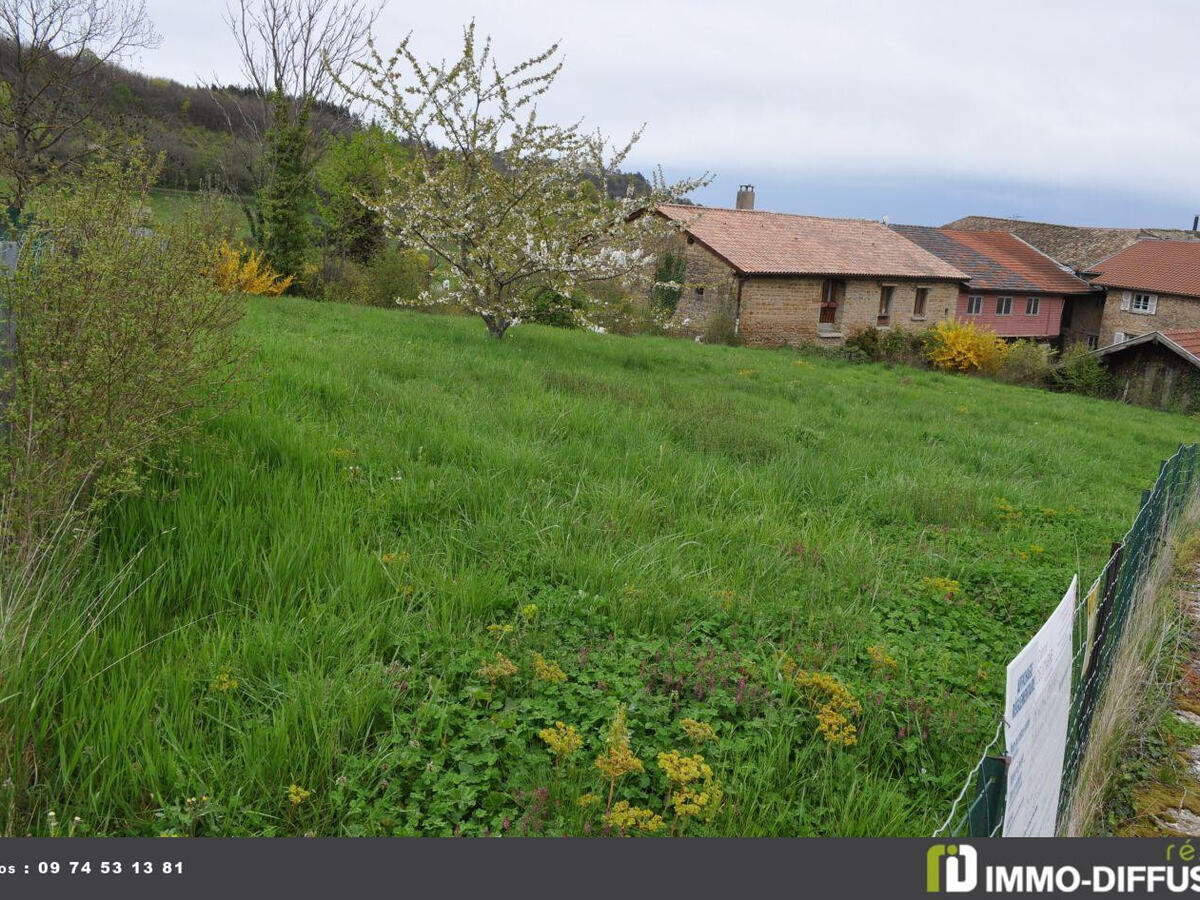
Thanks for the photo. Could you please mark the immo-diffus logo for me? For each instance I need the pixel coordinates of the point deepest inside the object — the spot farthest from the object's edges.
(960, 864)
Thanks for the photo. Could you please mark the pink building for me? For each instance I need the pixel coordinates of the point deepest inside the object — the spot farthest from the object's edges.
(1015, 289)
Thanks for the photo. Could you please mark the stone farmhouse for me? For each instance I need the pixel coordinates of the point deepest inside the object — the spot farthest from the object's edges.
(1015, 289)
(1150, 286)
(778, 278)
(789, 279)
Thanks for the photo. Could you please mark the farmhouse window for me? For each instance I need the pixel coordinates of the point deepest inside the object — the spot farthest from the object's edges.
(1138, 302)
(885, 303)
(832, 292)
(974, 305)
(1093, 341)
(919, 302)
(1004, 306)
(1033, 306)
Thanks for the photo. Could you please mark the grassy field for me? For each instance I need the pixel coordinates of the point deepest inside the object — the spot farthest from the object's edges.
(675, 527)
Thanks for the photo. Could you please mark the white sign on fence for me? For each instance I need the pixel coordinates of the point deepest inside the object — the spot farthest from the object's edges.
(1036, 709)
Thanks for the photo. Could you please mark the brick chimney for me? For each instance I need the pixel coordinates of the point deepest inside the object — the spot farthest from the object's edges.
(745, 196)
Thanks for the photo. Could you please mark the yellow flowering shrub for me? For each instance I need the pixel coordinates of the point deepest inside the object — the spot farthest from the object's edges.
(956, 346)
(624, 818)
(563, 741)
(500, 668)
(239, 270)
(547, 669)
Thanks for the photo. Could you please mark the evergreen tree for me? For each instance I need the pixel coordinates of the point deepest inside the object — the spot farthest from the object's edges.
(280, 223)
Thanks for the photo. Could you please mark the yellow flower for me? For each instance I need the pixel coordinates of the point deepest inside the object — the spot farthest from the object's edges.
(833, 703)
(547, 669)
(617, 759)
(502, 667)
(880, 658)
(942, 587)
(625, 818)
(388, 558)
(529, 611)
(698, 731)
(681, 769)
(563, 740)
(701, 802)
(1036, 549)
(224, 682)
(500, 630)
(297, 795)
(694, 791)
(587, 800)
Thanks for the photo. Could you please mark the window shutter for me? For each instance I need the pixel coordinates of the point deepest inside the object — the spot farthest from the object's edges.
(1153, 304)
(1126, 296)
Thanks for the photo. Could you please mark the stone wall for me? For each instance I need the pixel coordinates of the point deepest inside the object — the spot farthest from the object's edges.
(786, 310)
(709, 287)
(1085, 314)
(1171, 313)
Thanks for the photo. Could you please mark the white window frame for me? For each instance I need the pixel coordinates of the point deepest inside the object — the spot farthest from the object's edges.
(1033, 306)
(1093, 341)
(1140, 303)
(1007, 303)
(976, 301)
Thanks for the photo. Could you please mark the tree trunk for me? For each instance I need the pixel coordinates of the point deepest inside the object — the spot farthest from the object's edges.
(497, 325)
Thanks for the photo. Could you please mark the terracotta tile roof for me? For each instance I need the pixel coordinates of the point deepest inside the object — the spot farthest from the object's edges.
(764, 243)
(1165, 267)
(996, 260)
(1077, 246)
(1188, 340)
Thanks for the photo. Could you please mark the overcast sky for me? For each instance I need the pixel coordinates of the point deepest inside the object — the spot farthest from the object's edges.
(1078, 111)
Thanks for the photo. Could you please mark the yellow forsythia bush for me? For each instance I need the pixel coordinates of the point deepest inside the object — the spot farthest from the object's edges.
(965, 347)
(239, 270)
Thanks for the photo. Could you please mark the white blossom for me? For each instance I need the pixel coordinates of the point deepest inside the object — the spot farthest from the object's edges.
(508, 204)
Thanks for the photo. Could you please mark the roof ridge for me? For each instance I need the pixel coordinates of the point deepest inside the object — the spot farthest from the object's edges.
(771, 212)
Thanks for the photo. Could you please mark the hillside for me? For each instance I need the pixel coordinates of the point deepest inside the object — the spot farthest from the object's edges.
(206, 133)
(324, 582)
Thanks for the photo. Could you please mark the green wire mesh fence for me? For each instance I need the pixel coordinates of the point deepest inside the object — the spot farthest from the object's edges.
(1101, 615)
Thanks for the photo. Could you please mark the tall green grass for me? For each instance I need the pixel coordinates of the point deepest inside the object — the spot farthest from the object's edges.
(651, 496)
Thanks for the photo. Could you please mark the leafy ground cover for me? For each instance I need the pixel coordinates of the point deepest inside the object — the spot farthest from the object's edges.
(364, 601)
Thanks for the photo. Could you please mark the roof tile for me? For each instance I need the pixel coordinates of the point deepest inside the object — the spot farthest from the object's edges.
(996, 260)
(1166, 267)
(766, 243)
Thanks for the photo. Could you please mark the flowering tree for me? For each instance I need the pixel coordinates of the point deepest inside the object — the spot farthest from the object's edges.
(509, 205)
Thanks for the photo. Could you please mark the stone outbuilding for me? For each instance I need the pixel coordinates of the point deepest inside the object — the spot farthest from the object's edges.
(789, 279)
(1160, 369)
(1153, 285)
